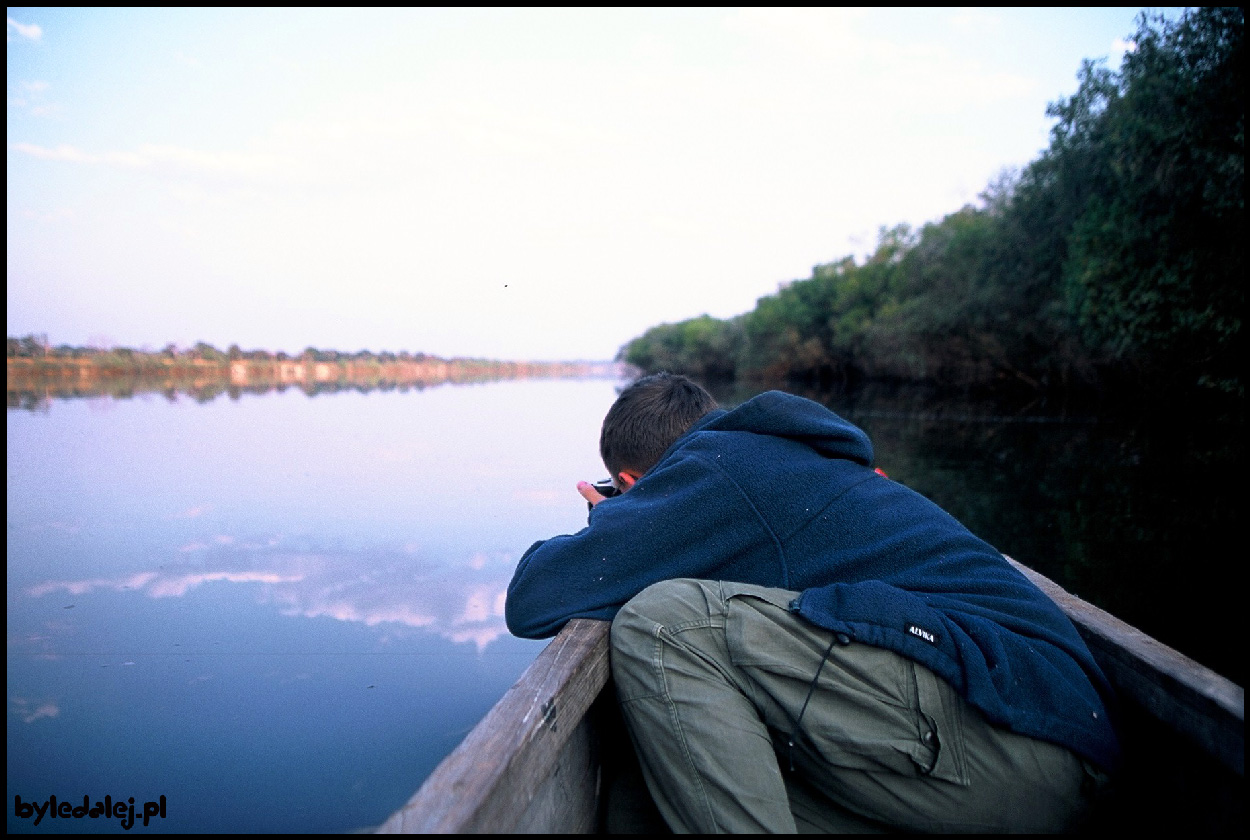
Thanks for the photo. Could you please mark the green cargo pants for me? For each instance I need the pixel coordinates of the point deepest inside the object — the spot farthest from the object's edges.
(735, 732)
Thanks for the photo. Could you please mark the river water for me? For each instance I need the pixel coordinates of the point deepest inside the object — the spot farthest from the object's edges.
(279, 611)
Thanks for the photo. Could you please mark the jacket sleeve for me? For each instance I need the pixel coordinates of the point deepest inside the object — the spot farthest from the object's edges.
(685, 519)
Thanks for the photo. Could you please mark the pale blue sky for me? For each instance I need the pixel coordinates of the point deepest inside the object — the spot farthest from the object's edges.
(502, 183)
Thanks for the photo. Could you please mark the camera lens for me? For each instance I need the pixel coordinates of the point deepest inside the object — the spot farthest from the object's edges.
(606, 489)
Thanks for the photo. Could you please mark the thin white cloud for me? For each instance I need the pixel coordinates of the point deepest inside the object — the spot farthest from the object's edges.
(58, 214)
(30, 96)
(29, 31)
(30, 710)
(181, 584)
(479, 606)
(163, 158)
(977, 20)
(64, 527)
(346, 610)
(830, 54)
(72, 154)
(799, 27)
(80, 587)
(398, 593)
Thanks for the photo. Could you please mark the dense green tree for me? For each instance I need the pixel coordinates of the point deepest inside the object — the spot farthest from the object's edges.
(1157, 156)
(702, 346)
(1116, 256)
(204, 350)
(28, 346)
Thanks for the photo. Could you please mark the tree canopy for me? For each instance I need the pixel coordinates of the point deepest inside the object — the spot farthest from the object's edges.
(1115, 257)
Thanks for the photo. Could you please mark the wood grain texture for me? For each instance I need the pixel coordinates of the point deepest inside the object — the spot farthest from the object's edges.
(535, 746)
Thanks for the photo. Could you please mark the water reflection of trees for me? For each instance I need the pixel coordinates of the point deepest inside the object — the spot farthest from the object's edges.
(1134, 516)
(35, 394)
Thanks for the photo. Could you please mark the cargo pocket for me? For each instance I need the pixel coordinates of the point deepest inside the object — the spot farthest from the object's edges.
(944, 754)
(863, 712)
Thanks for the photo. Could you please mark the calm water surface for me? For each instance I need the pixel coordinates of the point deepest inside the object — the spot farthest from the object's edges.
(280, 611)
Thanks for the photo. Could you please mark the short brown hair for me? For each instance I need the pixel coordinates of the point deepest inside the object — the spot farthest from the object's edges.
(647, 417)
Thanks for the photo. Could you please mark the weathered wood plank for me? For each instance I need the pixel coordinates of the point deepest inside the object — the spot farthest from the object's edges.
(568, 801)
(512, 770)
(1185, 695)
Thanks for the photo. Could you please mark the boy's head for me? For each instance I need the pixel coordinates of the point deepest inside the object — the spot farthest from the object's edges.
(646, 418)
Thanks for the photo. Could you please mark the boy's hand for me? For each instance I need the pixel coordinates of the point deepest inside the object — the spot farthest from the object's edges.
(589, 493)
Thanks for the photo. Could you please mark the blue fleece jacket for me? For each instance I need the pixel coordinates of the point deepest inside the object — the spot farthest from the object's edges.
(781, 492)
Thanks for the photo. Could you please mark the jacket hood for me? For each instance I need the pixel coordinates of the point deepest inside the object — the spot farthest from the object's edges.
(785, 415)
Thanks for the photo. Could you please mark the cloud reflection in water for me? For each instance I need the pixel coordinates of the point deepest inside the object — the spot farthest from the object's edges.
(462, 602)
(30, 711)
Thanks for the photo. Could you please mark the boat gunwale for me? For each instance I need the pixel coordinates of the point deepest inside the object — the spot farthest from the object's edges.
(488, 783)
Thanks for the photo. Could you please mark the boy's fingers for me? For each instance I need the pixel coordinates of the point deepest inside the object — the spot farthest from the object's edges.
(589, 493)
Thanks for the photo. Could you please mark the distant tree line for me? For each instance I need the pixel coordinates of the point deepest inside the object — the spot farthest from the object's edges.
(37, 371)
(37, 347)
(1115, 258)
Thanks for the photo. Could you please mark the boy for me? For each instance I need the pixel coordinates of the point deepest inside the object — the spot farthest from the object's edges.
(798, 641)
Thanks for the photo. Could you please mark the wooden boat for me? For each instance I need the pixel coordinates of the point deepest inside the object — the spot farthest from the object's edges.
(552, 757)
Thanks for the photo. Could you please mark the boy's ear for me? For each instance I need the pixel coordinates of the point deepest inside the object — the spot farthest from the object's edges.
(628, 477)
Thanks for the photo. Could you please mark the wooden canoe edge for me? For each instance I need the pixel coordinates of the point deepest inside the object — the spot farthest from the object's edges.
(488, 782)
(1188, 697)
(536, 750)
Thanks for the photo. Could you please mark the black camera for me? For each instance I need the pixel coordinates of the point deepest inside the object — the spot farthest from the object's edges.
(606, 488)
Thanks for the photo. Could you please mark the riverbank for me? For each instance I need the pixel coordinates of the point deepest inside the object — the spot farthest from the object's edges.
(33, 380)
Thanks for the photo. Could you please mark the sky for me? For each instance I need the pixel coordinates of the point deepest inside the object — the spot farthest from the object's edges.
(504, 183)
